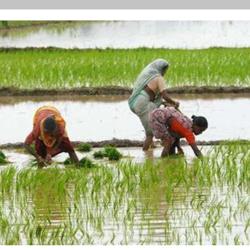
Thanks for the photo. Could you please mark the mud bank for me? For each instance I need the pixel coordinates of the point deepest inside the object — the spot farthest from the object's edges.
(116, 90)
(24, 26)
(124, 143)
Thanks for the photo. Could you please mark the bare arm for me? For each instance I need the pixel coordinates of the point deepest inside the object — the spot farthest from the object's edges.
(169, 100)
(179, 148)
(164, 94)
(31, 150)
(166, 148)
(196, 150)
(74, 157)
(40, 160)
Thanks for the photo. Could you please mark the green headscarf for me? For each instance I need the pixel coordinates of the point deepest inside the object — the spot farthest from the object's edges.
(154, 69)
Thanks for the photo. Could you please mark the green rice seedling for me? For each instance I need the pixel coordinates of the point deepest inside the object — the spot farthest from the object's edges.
(2, 155)
(86, 163)
(7, 177)
(247, 226)
(84, 147)
(59, 205)
(31, 24)
(99, 154)
(65, 68)
(112, 153)
(67, 161)
(237, 239)
(3, 159)
(83, 163)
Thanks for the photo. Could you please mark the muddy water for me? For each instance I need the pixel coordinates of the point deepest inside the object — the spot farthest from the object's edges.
(105, 118)
(157, 34)
(135, 154)
(150, 219)
(143, 217)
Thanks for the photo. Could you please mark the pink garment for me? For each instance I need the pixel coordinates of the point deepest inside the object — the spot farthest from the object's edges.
(158, 121)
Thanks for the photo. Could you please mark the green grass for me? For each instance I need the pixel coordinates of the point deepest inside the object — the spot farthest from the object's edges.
(61, 68)
(3, 159)
(159, 202)
(99, 154)
(110, 152)
(84, 147)
(2, 155)
(23, 23)
(83, 163)
(12, 24)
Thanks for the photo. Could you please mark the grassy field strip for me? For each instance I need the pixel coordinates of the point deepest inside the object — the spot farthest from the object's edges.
(62, 68)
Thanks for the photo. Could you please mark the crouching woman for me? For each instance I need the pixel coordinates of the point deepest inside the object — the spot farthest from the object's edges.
(50, 136)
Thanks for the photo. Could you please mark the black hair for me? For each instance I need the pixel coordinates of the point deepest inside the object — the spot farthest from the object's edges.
(164, 69)
(49, 124)
(200, 121)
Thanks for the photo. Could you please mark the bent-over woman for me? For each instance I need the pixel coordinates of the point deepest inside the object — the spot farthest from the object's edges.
(49, 135)
(147, 95)
(169, 125)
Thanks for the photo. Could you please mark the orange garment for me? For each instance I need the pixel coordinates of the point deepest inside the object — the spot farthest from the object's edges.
(38, 131)
(178, 128)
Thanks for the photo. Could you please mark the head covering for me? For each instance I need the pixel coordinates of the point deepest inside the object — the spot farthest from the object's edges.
(154, 69)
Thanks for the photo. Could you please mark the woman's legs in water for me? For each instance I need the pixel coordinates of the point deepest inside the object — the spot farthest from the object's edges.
(142, 108)
(148, 142)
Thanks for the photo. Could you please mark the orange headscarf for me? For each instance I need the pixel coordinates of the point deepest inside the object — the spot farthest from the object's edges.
(39, 118)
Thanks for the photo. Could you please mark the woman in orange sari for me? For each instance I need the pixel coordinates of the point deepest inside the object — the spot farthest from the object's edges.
(49, 135)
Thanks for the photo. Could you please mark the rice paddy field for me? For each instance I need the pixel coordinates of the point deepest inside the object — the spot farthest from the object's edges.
(61, 68)
(165, 201)
(122, 195)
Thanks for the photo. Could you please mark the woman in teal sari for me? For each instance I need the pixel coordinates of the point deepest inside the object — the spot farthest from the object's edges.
(148, 92)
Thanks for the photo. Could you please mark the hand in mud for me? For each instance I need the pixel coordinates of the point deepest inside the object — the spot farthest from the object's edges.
(180, 151)
(177, 105)
(41, 162)
(48, 159)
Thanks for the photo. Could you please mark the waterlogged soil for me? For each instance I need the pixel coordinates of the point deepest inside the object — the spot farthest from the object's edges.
(19, 158)
(121, 91)
(104, 118)
(113, 214)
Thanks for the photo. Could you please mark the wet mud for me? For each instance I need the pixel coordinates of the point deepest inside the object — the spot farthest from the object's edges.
(116, 90)
(125, 143)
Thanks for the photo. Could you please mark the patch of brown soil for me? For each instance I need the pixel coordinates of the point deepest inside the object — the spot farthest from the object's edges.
(116, 90)
(126, 143)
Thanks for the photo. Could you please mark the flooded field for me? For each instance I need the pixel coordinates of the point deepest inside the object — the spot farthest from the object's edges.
(124, 195)
(153, 34)
(21, 159)
(90, 119)
(170, 201)
(139, 199)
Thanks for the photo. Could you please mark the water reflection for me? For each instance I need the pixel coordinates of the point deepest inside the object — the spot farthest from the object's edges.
(132, 34)
(91, 120)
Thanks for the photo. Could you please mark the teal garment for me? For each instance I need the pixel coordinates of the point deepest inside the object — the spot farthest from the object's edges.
(151, 71)
(142, 109)
(139, 101)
